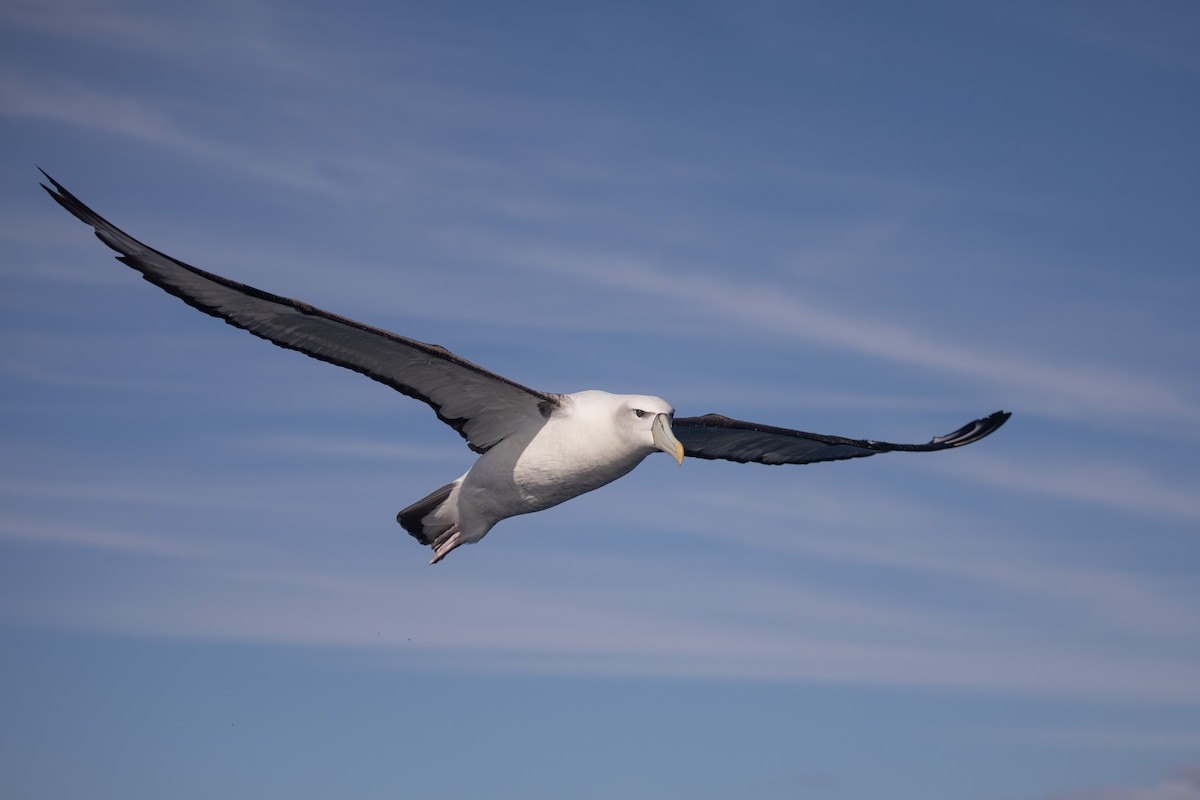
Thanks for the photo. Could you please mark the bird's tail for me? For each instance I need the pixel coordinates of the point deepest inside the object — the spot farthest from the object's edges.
(430, 517)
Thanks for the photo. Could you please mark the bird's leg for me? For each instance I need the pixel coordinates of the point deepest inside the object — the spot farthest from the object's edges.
(445, 543)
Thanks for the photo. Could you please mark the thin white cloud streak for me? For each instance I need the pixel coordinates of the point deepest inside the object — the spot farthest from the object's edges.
(1056, 389)
(80, 106)
(810, 524)
(326, 163)
(42, 532)
(589, 626)
(906, 537)
(246, 32)
(574, 618)
(353, 448)
(1117, 485)
(97, 21)
(117, 493)
(329, 167)
(188, 492)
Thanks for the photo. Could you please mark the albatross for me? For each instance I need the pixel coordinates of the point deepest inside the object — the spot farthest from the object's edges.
(536, 449)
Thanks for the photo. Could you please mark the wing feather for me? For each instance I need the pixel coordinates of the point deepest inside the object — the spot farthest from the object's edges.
(716, 437)
(482, 406)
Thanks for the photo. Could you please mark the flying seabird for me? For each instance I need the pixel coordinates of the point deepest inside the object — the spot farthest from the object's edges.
(536, 449)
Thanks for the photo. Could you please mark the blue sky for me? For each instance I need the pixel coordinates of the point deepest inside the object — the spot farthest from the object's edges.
(868, 219)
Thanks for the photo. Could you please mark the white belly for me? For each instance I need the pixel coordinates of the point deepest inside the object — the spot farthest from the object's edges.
(518, 478)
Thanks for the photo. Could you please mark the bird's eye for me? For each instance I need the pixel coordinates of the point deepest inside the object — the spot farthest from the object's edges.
(639, 412)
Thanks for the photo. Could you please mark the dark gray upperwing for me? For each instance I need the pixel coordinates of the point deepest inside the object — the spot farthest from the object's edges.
(482, 406)
(716, 437)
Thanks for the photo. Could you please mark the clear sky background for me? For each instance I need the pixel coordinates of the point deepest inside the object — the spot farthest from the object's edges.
(870, 219)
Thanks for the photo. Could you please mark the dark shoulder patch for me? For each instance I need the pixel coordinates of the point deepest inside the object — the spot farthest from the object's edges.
(548, 406)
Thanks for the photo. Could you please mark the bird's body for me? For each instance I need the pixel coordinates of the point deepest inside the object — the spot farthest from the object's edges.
(537, 449)
(589, 440)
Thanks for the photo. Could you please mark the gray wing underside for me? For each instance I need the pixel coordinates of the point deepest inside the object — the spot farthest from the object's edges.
(716, 437)
(482, 406)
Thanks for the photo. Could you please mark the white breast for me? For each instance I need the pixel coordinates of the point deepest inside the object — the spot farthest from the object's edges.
(577, 450)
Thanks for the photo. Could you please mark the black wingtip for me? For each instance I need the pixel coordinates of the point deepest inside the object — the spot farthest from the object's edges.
(46, 175)
(58, 187)
(973, 431)
(105, 231)
(65, 199)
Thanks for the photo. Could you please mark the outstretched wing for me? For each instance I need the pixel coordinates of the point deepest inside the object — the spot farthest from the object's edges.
(482, 406)
(716, 437)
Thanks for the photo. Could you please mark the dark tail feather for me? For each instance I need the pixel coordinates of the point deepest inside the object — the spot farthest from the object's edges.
(410, 518)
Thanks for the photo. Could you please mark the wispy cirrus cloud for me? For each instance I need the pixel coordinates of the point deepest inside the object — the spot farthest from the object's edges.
(1118, 485)
(584, 624)
(67, 102)
(354, 448)
(43, 532)
(247, 34)
(1056, 386)
(813, 524)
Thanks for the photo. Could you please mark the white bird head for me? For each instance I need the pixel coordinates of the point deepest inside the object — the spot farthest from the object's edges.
(649, 419)
(635, 426)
